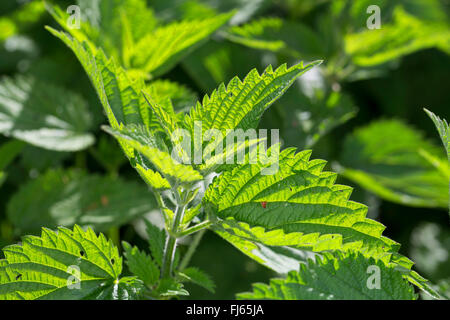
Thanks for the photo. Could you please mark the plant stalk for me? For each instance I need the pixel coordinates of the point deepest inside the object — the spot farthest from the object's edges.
(172, 239)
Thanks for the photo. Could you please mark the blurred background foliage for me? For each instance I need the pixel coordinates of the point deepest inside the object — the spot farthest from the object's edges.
(362, 110)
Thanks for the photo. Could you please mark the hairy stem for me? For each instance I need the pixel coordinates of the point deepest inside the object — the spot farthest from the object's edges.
(171, 242)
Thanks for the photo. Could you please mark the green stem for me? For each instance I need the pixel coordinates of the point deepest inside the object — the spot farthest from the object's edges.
(193, 229)
(171, 242)
(192, 247)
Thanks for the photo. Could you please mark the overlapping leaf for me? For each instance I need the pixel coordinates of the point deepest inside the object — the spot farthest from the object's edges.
(66, 264)
(397, 163)
(44, 115)
(404, 36)
(299, 206)
(151, 50)
(278, 35)
(122, 101)
(343, 276)
(444, 133)
(63, 198)
(173, 171)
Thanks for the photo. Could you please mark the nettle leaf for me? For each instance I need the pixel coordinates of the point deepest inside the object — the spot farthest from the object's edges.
(157, 52)
(218, 61)
(156, 241)
(122, 101)
(443, 129)
(173, 171)
(278, 35)
(404, 36)
(64, 264)
(343, 276)
(240, 104)
(394, 161)
(298, 206)
(181, 97)
(197, 276)
(136, 39)
(141, 265)
(44, 115)
(114, 25)
(444, 132)
(309, 113)
(67, 197)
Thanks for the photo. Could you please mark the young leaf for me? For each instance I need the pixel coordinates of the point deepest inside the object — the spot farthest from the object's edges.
(67, 197)
(182, 97)
(345, 276)
(198, 277)
(159, 51)
(146, 51)
(241, 104)
(175, 172)
(122, 101)
(66, 264)
(44, 115)
(392, 160)
(444, 132)
(443, 129)
(156, 241)
(140, 264)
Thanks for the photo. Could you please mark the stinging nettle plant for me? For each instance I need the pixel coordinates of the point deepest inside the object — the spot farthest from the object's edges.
(296, 220)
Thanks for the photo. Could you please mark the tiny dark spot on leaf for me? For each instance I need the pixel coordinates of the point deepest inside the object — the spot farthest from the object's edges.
(19, 276)
(82, 253)
(113, 261)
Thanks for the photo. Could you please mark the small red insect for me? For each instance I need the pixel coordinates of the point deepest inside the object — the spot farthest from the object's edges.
(264, 204)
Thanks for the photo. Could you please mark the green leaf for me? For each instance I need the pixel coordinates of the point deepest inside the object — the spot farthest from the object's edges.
(299, 205)
(122, 101)
(308, 116)
(44, 115)
(443, 129)
(392, 160)
(197, 276)
(444, 133)
(140, 264)
(9, 151)
(156, 241)
(43, 267)
(182, 97)
(67, 197)
(405, 35)
(278, 35)
(157, 52)
(240, 104)
(175, 172)
(345, 276)
(114, 25)
(216, 62)
(135, 40)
